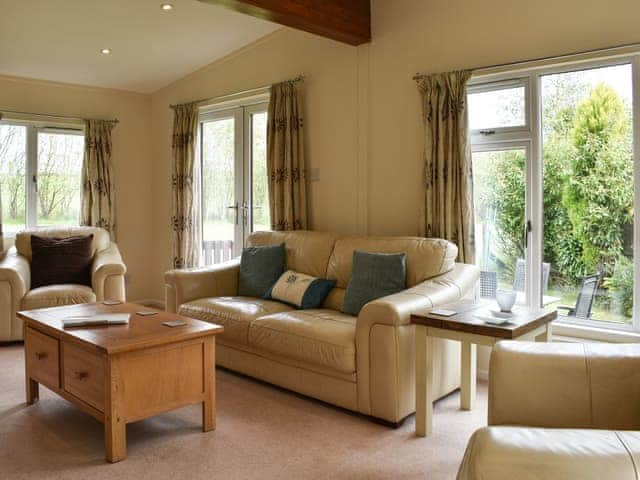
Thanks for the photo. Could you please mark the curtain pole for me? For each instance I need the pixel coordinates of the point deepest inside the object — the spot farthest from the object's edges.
(299, 78)
(52, 115)
(420, 76)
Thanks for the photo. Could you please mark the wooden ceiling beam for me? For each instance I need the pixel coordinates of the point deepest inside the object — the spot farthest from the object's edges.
(348, 21)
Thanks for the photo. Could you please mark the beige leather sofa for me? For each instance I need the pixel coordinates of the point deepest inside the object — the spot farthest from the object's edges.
(107, 278)
(559, 411)
(363, 363)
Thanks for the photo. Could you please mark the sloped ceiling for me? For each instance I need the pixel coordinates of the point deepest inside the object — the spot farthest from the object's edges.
(60, 40)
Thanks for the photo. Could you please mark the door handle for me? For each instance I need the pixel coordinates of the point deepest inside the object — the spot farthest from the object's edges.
(234, 207)
(41, 355)
(81, 375)
(245, 213)
(527, 231)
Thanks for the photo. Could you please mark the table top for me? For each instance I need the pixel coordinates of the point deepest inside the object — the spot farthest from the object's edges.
(525, 319)
(141, 331)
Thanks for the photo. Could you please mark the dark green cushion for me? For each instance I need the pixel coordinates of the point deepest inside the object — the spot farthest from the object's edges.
(374, 275)
(260, 268)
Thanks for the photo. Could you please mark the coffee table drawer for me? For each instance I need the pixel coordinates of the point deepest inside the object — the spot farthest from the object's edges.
(41, 354)
(84, 375)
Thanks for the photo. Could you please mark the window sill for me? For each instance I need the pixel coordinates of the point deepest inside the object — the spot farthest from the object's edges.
(572, 333)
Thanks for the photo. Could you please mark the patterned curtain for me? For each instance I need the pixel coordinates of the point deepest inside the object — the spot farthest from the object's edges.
(448, 177)
(183, 220)
(98, 188)
(285, 159)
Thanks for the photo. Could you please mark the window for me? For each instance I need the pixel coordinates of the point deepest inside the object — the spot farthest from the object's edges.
(554, 196)
(498, 105)
(40, 170)
(234, 186)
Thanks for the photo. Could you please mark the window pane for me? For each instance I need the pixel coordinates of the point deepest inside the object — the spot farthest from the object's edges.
(587, 120)
(218, 190)
(499, 202)
(497, 108)
(59, 176)
(13, 140)
(259, 179)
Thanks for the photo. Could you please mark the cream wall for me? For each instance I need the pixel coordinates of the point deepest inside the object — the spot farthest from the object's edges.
(362, 107)
(131, 153)
(430, 36)
(330, 93)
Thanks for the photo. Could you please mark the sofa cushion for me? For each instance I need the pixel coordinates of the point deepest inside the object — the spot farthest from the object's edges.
(374, 275)
(60, 260)
(321, 337)
(505, 453)
(300, 290)
(260, 268)
(426, 257)
(100, 237)
(306, 252)
(234, 313)
(57, 295)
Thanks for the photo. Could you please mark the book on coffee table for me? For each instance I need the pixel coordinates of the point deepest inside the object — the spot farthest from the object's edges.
(96, 319)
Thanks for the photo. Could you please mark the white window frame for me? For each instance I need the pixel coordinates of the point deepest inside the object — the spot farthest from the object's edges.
(33, 128)
(503, 137)
(479, 135)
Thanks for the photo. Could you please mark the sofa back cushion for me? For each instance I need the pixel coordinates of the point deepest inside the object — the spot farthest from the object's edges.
(306, 252)
(426, 257)
(100, 237)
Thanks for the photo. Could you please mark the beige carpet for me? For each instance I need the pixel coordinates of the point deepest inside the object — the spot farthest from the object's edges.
(263, 432)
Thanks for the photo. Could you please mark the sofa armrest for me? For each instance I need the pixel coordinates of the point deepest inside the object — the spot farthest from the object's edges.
(184, 285)
(396, 309)
(384, 341)
(15, 282)
(15, 269)
(565, 385)
(107, 263)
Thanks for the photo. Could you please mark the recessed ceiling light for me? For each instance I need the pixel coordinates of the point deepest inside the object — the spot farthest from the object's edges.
(166, 6)
(106, 51)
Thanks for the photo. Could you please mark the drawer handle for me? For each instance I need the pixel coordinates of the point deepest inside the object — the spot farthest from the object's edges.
(81, 375)
(41, 355)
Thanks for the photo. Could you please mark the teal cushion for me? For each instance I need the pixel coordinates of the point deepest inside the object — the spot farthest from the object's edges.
(300, 290)
(260, 268)
(374, 275)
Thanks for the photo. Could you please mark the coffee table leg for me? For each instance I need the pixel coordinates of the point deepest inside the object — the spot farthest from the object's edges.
(33, 391)
(32, 387)
(209, 403)
(468, 376)
(115, 440)
(424, 381)
(115, 428)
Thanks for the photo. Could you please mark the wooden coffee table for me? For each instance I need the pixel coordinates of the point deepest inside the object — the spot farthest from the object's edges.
(121, 373)
(527, 324)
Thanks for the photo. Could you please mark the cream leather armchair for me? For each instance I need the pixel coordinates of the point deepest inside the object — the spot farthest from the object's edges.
(559, 411)
(364, 363)
(107, 278)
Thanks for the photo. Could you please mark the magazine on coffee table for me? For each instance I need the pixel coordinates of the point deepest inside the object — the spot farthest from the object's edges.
(96, 319)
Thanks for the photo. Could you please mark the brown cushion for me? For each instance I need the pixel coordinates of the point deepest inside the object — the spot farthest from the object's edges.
(60, 260)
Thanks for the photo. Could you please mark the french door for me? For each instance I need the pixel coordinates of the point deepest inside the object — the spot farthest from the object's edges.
(234, 198)
(555, 162)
